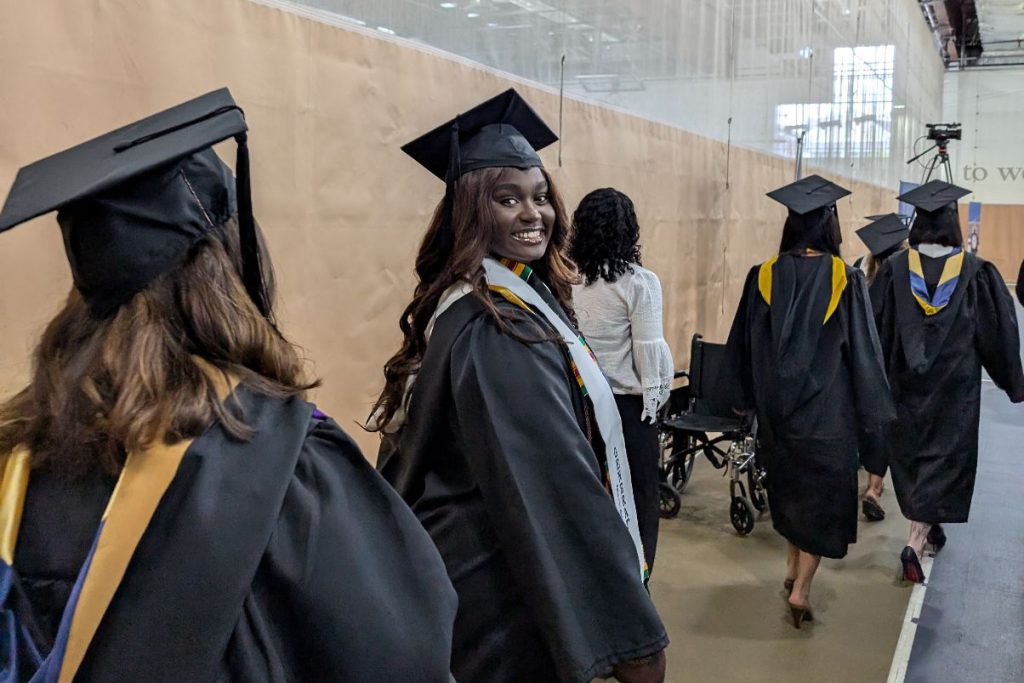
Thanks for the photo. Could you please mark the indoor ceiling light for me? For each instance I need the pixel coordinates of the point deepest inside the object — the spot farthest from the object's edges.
(449, 5)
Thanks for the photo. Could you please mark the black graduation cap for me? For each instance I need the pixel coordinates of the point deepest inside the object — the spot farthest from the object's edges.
(808, 194)
(884, 233)
(503, 131)
(933, 196)
(133, 201)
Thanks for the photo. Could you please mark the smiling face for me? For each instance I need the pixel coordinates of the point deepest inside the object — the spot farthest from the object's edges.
(524, 215)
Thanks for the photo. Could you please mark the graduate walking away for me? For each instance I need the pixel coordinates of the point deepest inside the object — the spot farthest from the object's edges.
(500, 430)
(619, 310)
(172, 509)
(943, 314)
(884, 236)
(804, 345)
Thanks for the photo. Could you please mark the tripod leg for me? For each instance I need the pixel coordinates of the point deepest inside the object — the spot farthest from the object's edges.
(931, 168)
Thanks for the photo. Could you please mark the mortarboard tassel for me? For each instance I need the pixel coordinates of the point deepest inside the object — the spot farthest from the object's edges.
(252, 271)
(451, 176)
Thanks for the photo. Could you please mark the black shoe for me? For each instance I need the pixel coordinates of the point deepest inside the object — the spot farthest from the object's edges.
(937, 537)
(873, 512)
(799, 615)
(911, 566)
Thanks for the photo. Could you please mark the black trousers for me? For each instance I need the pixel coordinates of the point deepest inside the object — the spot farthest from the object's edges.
(643, 453)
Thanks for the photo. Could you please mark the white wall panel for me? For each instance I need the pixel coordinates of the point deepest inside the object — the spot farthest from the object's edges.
(990, 157)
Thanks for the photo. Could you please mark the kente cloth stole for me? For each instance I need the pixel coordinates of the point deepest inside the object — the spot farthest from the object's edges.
(943, 290)
(525, 272)
(839, 282)
(512, 280)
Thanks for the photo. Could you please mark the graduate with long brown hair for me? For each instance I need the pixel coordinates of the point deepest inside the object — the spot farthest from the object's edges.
(173, 510)
(501, 432)
(885, 236)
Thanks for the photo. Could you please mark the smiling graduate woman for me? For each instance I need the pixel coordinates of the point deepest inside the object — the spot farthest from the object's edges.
(501, 432)
(172, 510)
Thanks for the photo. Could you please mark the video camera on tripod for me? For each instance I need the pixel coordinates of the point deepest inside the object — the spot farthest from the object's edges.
(941, 132)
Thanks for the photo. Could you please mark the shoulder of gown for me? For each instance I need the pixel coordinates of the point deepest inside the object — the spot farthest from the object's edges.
(351, 587)
(737, 373)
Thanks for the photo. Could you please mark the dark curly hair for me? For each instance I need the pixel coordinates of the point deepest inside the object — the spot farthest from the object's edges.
(605, 235)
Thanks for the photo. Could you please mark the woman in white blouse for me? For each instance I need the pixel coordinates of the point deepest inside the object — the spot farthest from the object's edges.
(619, 310)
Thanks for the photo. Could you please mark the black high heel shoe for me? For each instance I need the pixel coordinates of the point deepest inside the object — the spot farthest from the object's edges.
(911, 566)
(937, 537)
(871, 510)
(799, 615)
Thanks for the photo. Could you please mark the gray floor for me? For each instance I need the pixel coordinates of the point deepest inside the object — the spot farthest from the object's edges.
(971, 626)
(720, 597)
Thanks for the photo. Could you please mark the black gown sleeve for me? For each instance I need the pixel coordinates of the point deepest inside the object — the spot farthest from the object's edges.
(874, 404)
(997, 337)
(569, 552)
(351, 588)
(883, 307)
(737, 377)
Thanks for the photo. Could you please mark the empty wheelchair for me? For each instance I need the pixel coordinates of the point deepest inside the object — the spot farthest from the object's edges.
(698, 420)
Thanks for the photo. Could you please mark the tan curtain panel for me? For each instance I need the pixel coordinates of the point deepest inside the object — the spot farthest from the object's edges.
(342, 207)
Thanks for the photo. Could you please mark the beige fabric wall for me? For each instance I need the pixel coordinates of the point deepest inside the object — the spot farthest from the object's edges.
(1002, 236)
(343, 208)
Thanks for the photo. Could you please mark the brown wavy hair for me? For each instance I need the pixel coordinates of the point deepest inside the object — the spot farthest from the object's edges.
(103, 387)
(445, 258)
(872, 263)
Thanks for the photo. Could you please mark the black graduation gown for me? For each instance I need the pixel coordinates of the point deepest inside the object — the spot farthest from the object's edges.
(815, 388)
(934, 365)
(1020, 284)
(874, 451)
(284, 558)
(59, 522)
(495, 461)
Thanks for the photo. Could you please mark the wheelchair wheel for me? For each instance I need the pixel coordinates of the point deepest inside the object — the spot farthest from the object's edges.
(741, 513)
(755, 488)
(678, 473)
(669, 501)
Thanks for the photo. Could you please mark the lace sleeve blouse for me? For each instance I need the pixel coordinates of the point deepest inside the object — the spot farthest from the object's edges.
(622, 322)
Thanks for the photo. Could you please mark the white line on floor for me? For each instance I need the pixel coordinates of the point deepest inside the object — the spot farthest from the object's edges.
(901, 658)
